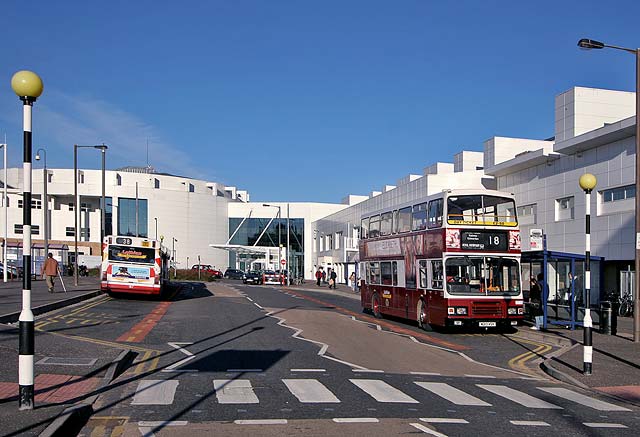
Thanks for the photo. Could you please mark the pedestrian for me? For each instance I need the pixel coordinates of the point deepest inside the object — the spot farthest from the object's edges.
(50, 270)
(332, 280)
(318, 277)
(324, 277)
(535, 300)
(352, 281)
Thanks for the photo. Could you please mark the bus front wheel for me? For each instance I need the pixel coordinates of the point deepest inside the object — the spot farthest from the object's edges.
(422, 315)
(375, 306)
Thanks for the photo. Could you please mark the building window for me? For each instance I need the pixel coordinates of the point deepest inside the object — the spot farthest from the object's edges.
(338, 238)
(84, 207)
(70, 231)
(35, 203)
(156, 183)
(527, 214)
(192, 188)
(35, 229)
(71, 206)
(85, 233)
(132, 212)
(565, 208)
(619, 193)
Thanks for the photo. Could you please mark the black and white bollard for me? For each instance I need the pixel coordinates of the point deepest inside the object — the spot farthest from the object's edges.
(587, 183)
(28, 86)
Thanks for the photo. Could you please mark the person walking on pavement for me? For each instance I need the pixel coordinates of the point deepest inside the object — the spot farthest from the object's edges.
(318, 277)
(324, 277)
(535, 298)
(352, 281)
(332, 280)
(50, 270)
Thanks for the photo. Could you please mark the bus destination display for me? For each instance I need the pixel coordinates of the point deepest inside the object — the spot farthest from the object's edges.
(483, 240)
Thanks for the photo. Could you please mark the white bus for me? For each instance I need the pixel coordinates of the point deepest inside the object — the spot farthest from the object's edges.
(134, 265)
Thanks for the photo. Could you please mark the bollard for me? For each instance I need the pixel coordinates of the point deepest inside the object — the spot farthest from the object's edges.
(606, 314)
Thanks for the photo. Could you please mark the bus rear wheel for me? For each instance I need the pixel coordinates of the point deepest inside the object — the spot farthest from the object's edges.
(375, 306)
(422, 315)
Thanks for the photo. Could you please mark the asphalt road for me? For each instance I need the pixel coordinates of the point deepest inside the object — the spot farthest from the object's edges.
(235, 359)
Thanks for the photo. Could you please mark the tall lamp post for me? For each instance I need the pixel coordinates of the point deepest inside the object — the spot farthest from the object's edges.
(587, 183)
(279, 216)
(6, 216)
(45, 176)
(592, 44)
(156, 220)
(28, 86)
(173, 251)
(76, 214)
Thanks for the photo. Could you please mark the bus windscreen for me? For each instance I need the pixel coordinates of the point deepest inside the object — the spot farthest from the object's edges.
(481, 210)
(138, 255)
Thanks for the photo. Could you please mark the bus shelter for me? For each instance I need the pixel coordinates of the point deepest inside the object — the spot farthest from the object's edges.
(563, 300)
(14, 256)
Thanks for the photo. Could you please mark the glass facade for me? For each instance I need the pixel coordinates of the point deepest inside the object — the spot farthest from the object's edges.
(251, 229)
(127, 217)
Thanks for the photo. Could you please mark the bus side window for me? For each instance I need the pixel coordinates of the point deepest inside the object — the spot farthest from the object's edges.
(419, 216)
(436, 274)
(404, 219)
(386, 222)
(394, 273)
(374, 273)
(385, 273)
(435, 213)
(374, 226)
(422, 271)
(364, 225)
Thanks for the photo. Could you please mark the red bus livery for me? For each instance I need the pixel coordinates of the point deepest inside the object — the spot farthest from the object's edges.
(452, 259)
(134, 265)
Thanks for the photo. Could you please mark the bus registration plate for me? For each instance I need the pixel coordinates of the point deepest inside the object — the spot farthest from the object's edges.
(487, 324)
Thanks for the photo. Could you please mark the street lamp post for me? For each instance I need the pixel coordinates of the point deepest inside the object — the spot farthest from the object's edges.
(173, 251)
(103, 148)
(587, 183)
(278, 216)
(6, 216)
(28, 86)
(45, 175)
(156, 220)
(588, 44)
(287, 253)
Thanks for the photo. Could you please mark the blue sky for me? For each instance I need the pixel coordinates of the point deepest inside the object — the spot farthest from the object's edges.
(339, 97)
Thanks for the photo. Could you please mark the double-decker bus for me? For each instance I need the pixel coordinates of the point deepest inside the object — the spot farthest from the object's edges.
(134, 265)
(451, 259)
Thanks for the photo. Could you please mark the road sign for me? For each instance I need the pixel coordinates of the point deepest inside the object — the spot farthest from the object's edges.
(283, 262)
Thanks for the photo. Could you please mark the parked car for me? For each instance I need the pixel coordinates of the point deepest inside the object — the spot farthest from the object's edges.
(206, 268)
(233, 274)
(252, 277)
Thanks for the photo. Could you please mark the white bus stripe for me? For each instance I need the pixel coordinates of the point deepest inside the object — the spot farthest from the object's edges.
(310, 391)
(382, 392)
(234, 391)
(518, 397)
(582, 399)
(452, 394)
(155, 392)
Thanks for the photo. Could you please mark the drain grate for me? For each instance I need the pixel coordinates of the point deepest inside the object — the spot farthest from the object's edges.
(58, 361)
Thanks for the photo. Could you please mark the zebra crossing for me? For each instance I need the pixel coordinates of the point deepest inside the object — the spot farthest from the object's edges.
(313, 391)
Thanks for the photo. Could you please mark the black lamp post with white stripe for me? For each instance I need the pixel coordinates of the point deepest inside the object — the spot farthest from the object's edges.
(587, 183)
(28, 86)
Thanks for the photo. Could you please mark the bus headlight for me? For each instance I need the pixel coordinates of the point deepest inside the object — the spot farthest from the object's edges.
(457, 311)
(512, 311)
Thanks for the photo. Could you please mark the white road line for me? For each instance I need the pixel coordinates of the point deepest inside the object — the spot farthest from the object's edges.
(442, 420)
(234, 391)
(261, 422)
(382, 392)
(308, 370)
(155, 392)
(310, 391)
(256, 304)
(249, 299)
(163, 423)
(452, 394)
(582, 399)
(529, 423)
(603, 425)
(355, 420)
(518, 397)
(480, 376)
(427, 430)
(426, 373)
(367, 371)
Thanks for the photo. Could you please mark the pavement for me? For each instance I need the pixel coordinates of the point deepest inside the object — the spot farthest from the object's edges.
(64, 393)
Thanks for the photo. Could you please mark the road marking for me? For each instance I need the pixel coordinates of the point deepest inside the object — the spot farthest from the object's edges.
(234, 391)
(367, 371)
(261, 422)
(518, 362)
(142, 362)
(249, 298)
(256, 304)
(308, 370)
(518, 397)
(310, 391)
(529, 423)
(190, 356)
(355, 420)
(480, 376)
(427, 430)
(452, 394)
(163, 423)
(382, 392)
(582, 399)
(426, 373)
(442, 420)
(143, 327)
(603, 425)
(155, 392)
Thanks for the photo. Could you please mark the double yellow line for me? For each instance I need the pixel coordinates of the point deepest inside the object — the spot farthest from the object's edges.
(519, 362)
(57, 318)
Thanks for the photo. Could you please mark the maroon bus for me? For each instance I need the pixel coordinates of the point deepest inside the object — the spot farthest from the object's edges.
(451, 259)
